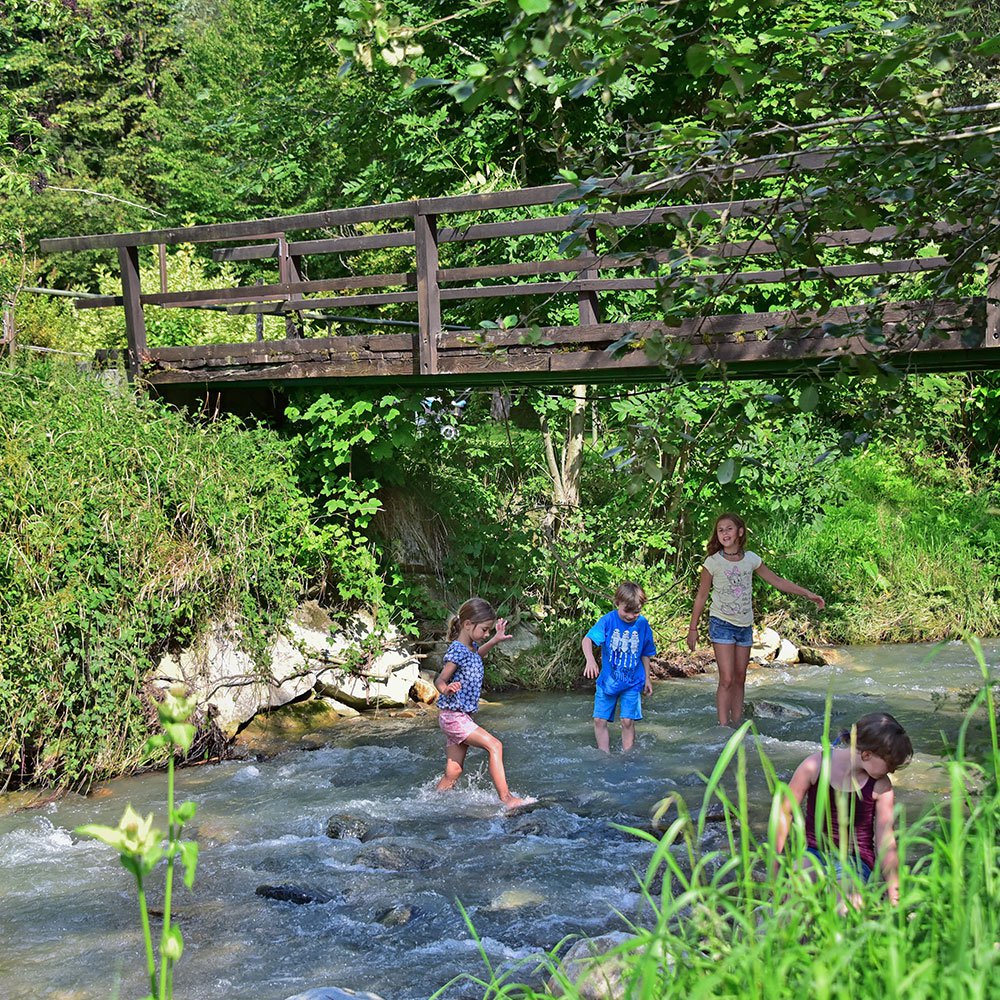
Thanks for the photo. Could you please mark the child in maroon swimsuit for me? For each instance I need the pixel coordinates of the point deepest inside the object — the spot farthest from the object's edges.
(858, 801)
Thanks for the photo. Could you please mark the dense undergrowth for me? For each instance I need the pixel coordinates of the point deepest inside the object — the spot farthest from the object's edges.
(737, 922)
(128, 527)
(125, 530)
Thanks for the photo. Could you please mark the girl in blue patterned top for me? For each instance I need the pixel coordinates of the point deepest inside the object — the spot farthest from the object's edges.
(460, 681)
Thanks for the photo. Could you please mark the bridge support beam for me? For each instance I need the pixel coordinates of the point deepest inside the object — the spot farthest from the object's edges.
(428, 292)
(135, 321)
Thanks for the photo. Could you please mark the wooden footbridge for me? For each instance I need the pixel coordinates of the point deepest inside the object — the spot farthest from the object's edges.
(584, 290)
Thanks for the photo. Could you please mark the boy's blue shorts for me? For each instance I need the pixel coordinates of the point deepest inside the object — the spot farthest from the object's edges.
(629, 702)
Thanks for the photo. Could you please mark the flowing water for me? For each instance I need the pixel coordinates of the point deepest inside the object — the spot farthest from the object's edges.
(68, 917)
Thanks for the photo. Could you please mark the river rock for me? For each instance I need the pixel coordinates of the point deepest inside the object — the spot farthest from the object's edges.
(807, 654)
(300, 895)
(333, 993)
(766, 643)
(396, 857)
(397, 915)
(384, 682)
(524, 640)
(424, 691)
(515, 899)
(597, 975)
(788, 652)
(347, 827)
(779, 710)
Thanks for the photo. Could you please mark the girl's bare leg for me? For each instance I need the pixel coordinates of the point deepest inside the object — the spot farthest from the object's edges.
(725, 657)
(480, 738)
(601, 735)
(741, 660)
(628, 733)
(455, 754)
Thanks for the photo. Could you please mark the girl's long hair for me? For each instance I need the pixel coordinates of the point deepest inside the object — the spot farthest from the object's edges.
(713, 541)
(474, 610)
(879, 733)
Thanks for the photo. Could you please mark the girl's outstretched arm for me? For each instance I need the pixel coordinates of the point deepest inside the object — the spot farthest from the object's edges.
(501, 635)
(443, 681)
(700, 599)
(885, 843)
(787, 587)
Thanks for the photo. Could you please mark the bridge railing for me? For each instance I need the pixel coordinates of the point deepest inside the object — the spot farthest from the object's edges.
(581, 270)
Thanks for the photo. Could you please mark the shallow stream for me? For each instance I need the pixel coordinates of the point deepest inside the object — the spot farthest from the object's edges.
(68, 917)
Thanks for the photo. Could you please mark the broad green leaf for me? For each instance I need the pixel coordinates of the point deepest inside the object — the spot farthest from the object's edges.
(533, 7)
(808, 399)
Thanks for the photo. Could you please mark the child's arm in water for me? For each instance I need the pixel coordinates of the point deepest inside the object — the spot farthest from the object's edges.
(591, 670)
(885, 841)
(647, 685)
(701, 598)
(443, 681)
(806, 775)
(787, 587)
(501, 635)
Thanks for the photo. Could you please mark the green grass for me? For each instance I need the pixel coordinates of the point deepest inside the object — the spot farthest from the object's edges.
(723, 924)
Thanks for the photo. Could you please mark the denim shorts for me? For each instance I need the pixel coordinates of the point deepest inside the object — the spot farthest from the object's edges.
(729, 635)
(629, 702)
(859, 867)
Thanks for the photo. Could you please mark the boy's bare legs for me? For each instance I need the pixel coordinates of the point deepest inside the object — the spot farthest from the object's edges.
(601, 735)
(732, 662)
(455, 754)
(480, 738)
(628, 733)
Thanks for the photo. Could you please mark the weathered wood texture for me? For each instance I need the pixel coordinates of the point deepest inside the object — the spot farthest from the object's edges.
(918, 332)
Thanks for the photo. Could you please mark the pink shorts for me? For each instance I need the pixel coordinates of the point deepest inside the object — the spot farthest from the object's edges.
(457, 726)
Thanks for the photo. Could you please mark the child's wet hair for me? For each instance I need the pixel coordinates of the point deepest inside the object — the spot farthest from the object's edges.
(474, 610)
(879, 733)
(631, 595)
(713, 540)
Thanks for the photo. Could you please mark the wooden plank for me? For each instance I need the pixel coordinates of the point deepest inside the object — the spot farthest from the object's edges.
(428, 292)
(135, 322)
(222, 232)
(491, 201)
(521, 227)
(252, 293)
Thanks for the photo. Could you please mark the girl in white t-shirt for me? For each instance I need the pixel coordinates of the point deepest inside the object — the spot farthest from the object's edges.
(728, 572)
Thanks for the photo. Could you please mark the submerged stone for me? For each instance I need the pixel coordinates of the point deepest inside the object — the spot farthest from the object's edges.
(300, 895)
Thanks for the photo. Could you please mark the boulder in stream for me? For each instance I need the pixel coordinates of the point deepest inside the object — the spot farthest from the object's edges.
(396, 857)
(347, 827)
(597, 975)
(397, 915)
(300, 895)
(779, 710)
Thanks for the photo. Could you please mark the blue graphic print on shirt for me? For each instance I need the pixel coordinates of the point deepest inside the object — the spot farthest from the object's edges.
(469, 672)
(623, 645)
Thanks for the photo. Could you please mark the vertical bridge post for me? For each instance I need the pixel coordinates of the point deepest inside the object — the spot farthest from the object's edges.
(590, 312)
(135, 321)
(991, 334)
(428, 291)
(289, 272)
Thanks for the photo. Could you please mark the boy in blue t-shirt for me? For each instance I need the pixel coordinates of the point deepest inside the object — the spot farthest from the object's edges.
(626, 642)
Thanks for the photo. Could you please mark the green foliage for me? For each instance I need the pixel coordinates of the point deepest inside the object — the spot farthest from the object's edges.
(140, 847)
(906, 554)
(126, 532)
